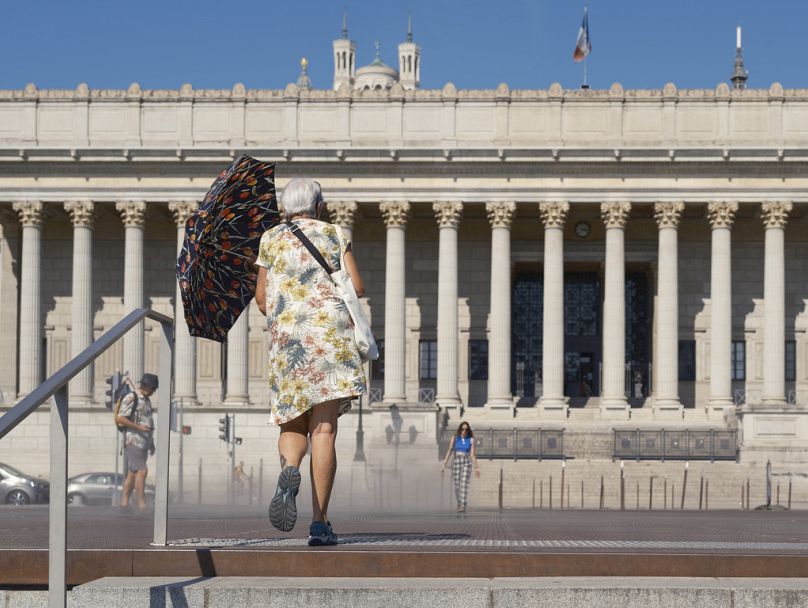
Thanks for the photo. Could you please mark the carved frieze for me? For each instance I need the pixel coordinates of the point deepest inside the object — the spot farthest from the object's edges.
(448, 213)
(668, 213)
(554, 213)
(721, 214)
(500, 213)
(615, 213)
(395, 213)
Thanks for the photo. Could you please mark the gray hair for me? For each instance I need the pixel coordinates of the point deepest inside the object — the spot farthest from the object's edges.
(301, 195)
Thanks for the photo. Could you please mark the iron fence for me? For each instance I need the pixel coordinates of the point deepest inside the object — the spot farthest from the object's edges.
(516, 444)
(686, 444)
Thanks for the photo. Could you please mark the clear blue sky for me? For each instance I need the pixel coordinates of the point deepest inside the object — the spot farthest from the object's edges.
(475, 44)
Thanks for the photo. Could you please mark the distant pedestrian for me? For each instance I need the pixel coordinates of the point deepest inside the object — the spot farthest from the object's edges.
(465, 455)
(136, 415)
(240, 477)
(314, 366)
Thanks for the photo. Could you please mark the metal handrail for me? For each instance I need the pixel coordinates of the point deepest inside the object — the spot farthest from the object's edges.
(56, 386)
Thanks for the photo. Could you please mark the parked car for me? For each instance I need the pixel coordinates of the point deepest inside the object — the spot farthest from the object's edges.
(17, 488)
(98, 489)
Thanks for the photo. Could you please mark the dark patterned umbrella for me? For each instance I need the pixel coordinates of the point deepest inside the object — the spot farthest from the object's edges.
(216, 267)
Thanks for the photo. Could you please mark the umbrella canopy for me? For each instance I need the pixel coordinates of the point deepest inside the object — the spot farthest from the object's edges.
(216, 267)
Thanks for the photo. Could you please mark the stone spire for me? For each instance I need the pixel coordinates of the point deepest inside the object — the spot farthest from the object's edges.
(740, 75)
(344, 57)
(409, 61)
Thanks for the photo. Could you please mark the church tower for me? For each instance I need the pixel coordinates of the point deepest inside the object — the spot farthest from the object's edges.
(344, 57)
(409, 61)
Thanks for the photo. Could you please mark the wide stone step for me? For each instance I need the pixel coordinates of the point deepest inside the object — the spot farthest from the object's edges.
(244, 592)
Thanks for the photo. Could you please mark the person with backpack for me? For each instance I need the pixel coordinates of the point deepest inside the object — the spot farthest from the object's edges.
(135, 418)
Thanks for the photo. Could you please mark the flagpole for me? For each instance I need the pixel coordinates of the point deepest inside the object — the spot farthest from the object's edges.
(586, 57)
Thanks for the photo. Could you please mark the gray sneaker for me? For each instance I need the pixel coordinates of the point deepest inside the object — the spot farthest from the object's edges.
(321, 534)
(282, 507)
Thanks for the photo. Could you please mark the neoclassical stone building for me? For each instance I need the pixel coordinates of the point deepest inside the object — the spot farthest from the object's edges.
(570, 257)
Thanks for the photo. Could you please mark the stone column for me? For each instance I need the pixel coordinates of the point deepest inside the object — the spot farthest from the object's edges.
(553, 403)
(343, 214)
(448, 215)
(81, 306)
(238, 345)
(184, 343)
(721, 216)
(395, 215)
(500, 215)
(775, 216)
(613, 392)
(31, 215)
(667, 216)
(133, 214)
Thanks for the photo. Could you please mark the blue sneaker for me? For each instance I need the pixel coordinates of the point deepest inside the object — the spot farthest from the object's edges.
(282, 507)
(321, 534)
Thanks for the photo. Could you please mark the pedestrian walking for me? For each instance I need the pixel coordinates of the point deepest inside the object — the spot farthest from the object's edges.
(465, 455)
(314, 366)
(136, 416)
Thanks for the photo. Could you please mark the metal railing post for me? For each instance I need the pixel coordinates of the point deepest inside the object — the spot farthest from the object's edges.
(57, 533)
(163, 435)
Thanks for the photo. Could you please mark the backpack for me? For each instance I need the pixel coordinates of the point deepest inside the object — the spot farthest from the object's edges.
(122, 391)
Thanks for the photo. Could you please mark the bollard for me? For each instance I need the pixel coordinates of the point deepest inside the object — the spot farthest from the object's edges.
(501, 483)
(665, 493)
(551, 491)
(673, 495)
(400, 490)
(701, 490)
(651, 493)
(261, 481)
(582, 494)
(789, 494)
(707, 495)
(563, 472)
(684, 486)
(638, 495)
(251, 486)
(541, 494)
(199, 483)
(601, 491)
(741, 497)
(568, 496)
(442, 491)
(778, 493)
(747, 493)
(533, 499)
(622, 488)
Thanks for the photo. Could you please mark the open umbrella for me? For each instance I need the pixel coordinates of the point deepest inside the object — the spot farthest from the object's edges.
(216, 267)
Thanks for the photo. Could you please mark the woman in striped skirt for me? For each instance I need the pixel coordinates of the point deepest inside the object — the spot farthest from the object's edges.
(465, 454)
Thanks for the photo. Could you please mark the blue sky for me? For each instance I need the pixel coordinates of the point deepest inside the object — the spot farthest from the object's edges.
(474, 44)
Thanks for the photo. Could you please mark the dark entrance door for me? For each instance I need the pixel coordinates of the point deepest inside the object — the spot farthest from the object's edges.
(582, 341)
(526, 336)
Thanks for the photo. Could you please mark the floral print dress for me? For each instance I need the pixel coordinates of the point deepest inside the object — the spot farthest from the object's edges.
(312, 351)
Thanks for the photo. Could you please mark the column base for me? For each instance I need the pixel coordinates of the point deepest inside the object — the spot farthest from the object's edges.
(235, 401)
(554, 408)
(500, 407)
(81, 400)
(614, 408)
(717, 408)
(778, 402)
(668, 409)
(449, 404)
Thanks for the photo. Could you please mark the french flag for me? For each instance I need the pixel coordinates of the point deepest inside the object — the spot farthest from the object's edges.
(583, 46)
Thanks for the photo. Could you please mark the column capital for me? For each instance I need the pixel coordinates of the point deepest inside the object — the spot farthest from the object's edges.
(721, 214)
(668, 213)
(395, 213)
(500, 213)
(133, 213)
(81, 212)
(775, 213)
(615, 213)
(554, 213)
(448, 213)
(182, 210)
(342, 213)
(31, 212)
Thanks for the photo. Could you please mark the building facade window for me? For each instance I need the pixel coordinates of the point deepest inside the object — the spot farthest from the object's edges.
(738, 360)
(791, 360)
(478, 359)
(428, 359)
(687, 360)
(377, 366)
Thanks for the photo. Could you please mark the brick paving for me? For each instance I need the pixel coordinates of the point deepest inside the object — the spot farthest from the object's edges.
(736, 532)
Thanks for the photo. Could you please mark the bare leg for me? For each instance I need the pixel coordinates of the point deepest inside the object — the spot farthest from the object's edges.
(323, 431)
(293, 442)
(140, 488)
(128, 484)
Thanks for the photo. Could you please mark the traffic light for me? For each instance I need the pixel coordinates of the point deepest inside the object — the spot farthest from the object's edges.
(224, 428)
(114, 382)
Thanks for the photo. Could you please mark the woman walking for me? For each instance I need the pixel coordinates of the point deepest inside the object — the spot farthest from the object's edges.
(465, 454)
(313, 363)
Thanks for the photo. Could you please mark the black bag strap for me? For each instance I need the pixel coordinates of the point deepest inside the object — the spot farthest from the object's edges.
(310, 246)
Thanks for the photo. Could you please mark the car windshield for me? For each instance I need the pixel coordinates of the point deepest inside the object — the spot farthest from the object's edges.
(12, 471)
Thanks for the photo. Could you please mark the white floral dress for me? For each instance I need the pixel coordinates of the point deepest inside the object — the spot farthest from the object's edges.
(312, 351)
